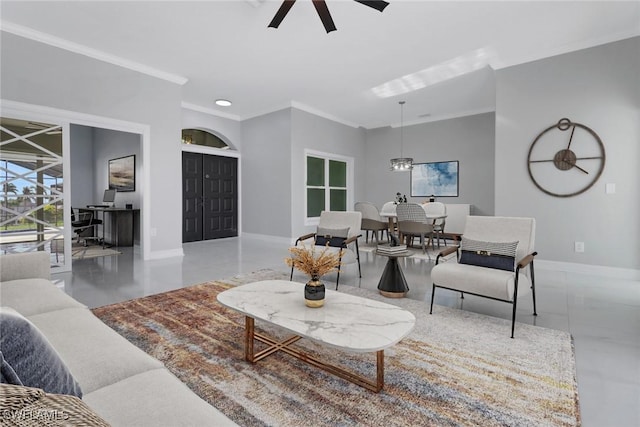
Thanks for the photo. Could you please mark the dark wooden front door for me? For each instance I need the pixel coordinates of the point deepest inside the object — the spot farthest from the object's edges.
(210, 197)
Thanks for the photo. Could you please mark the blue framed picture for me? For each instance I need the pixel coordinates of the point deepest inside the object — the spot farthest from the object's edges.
(439, 179)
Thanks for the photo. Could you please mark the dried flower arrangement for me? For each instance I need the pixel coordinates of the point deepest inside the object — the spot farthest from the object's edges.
(306, 260)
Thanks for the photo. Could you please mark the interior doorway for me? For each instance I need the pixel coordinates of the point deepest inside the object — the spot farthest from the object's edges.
(209, 197)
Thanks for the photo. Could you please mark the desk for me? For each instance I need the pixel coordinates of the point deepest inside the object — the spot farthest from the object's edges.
(121, 224)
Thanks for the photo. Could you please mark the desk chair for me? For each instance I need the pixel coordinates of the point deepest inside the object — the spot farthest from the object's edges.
(81, 222)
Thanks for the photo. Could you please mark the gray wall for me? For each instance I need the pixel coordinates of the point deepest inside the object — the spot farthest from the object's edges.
(81, 172)
(599, 87)
(266, 174)
(40, 74)
(311, 132)
(273, 167)
(110, 144)
(470, 140)
(91, 150)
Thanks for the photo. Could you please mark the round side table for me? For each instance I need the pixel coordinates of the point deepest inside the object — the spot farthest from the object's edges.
(392, 283)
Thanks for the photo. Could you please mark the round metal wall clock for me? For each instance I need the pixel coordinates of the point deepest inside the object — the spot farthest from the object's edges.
(566, 159)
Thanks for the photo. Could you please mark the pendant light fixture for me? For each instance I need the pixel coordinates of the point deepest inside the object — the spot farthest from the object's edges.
(401, 164)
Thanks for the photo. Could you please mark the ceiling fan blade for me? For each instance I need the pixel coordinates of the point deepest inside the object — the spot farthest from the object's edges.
(281, 13)
(378, 5)
(325, 16)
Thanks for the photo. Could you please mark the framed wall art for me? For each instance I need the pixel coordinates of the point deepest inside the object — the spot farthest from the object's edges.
(122, 173)
(439, 179)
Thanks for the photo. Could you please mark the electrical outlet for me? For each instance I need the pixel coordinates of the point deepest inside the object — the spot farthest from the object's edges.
(154, 232)
(579, 246)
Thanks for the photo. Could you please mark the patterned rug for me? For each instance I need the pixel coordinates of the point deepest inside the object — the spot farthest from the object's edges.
(456, 368)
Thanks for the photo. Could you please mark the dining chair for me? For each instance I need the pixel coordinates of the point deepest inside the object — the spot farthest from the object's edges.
(436, 208)
(388, 211)
(412, 221)
(371, 221)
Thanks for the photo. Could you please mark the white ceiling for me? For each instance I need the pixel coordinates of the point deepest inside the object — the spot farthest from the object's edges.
(223, 49)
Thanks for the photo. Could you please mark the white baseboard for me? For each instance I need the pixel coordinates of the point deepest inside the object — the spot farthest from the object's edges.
(165, 254)
(595, 270)
(267, 238)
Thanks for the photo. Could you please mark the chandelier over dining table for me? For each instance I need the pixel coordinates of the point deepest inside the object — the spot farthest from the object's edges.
(400, 164)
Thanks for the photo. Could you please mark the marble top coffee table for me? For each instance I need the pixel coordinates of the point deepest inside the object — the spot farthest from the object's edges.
(346, 322)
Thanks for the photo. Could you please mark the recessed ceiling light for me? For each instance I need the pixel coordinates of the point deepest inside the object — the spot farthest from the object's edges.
(223, 102)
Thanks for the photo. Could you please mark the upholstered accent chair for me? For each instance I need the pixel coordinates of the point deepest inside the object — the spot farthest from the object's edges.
(371, 221)
(412, 221)
(491, 261)
(339, 231)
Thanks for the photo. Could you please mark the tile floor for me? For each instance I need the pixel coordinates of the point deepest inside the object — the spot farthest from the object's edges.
(602, 314)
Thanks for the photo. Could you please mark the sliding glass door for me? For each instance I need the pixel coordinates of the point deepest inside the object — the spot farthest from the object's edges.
(31, 183)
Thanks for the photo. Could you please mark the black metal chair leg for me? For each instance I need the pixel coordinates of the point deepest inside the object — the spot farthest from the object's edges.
(515, 302)
(358, 259)
(433, 293)
(513, 318)
(533, 289)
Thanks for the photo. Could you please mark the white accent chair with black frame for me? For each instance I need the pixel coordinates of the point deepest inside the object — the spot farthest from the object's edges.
(490, 262)
(339, 231)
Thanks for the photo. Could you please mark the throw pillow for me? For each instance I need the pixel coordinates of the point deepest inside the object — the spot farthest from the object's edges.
(331, 236)
(499, 255)
(7, 374)
(32, 359)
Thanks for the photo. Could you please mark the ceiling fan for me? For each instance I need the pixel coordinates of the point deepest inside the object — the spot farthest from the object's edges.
(323, 11)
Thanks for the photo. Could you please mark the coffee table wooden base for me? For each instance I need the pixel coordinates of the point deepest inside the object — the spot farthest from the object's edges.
(285, 346)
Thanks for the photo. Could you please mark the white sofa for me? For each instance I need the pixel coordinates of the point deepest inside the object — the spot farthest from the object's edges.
(121, 383)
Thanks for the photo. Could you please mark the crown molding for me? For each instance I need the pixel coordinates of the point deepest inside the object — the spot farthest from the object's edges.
(311, 110)
(568, 48)
(302, 107)
(210, 111)
(70, 46)
(442, 117)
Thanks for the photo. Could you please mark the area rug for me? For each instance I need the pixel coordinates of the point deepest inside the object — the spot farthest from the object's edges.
(86, 252)
(456, 368)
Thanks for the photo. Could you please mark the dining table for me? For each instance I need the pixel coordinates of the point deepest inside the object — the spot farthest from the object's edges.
(389, 211)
